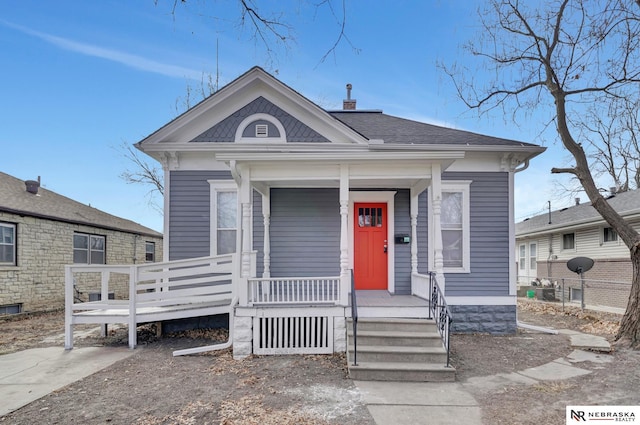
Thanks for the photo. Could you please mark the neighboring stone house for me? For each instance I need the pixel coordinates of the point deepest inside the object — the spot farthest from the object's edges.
(42, 231)
(545, 243)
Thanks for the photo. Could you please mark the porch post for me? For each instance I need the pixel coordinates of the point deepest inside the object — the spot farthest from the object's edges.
(345, 281)
(266, 215)
(436, 202)
(245, 262)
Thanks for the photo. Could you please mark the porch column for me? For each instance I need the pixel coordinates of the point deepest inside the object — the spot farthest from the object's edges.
(345, 278)
(266, 216)
(414, 233)
(246, 206)
(436, 202)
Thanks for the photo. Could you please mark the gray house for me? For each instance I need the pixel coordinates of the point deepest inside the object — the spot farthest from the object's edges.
(42, 231)
(303, 196)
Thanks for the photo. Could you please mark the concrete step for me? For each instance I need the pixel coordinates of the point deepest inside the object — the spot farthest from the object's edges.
(395, 324)
(400, 354)
(393, 338)
(405, 372)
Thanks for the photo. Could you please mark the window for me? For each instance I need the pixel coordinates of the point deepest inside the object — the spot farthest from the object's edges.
(452, 231)
(609, 235)
(88, 249)
(10, 309)
(523, 257)
(533, 255)
(370, 217)
(454, 222)
(224, 216)
(569, 241)
(149, 252)
(7, 244)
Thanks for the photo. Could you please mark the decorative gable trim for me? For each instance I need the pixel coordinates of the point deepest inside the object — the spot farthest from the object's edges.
(251, 119)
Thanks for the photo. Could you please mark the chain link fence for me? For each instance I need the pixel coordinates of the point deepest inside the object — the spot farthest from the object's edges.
(590, 294)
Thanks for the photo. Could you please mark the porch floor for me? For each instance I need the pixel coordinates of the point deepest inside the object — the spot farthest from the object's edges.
(384, 304)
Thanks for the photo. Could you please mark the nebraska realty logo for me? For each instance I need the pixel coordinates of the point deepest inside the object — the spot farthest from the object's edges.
(581, 414)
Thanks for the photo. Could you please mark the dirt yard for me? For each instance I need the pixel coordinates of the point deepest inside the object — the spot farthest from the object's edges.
(152, 387)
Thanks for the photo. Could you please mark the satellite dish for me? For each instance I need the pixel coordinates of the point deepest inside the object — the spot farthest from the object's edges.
(580, 264)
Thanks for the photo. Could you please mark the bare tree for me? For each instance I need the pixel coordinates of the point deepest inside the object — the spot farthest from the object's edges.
(612, 142)
(143, 172)
(269, 27)
(559, 57)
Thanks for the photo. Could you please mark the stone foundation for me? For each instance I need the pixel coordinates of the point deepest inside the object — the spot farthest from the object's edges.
(492, 319)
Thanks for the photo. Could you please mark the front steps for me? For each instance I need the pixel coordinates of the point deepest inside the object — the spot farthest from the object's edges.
(391, 349)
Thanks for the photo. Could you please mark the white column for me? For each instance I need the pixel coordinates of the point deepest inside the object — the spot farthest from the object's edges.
(345, 278)
(266, 216)
(436, 203)
(244, 199)
(245, 270)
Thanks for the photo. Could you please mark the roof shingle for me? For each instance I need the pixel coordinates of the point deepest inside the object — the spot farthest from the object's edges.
(14, 198)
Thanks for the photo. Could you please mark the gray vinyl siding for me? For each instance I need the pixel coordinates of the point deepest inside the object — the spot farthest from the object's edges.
(402, 226)
(189, 215)
(258, 232)
(423, 232)
(305, 232)
(489, 223)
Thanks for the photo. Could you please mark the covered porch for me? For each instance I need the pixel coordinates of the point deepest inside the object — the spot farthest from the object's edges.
(353, 180)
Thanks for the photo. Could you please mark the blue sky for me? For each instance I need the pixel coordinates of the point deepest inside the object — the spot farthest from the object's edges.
(79, 78)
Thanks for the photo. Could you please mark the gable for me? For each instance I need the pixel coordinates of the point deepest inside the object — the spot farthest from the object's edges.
(240, 123)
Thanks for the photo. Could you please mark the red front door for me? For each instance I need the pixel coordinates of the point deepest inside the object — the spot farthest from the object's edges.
(370, 245)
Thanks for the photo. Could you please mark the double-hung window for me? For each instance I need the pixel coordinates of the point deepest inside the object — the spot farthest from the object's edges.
(455, 228)
(523, 257)
(224, 216)
(533, 256)
(7, 244)
(149, 252)
(89, 249)
(569, 241)
(609, 235)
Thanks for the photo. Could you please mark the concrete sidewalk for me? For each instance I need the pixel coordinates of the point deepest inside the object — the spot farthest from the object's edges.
(450, 403)
(27, 375)
(418, 403)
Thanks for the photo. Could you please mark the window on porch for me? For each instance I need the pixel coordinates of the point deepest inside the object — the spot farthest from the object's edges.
(454, 221)
(224, 217)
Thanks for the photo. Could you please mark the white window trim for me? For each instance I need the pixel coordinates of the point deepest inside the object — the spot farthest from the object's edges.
(15, 243)
(463, 186)
(216, 186)
(260, 117)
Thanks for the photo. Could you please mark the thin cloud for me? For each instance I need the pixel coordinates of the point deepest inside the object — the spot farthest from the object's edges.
(127, 59)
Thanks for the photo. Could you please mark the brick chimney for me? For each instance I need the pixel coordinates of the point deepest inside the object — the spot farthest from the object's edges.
(349, 104)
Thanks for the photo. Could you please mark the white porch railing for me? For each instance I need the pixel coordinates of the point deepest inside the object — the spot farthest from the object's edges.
(294, 290)
(156, 292)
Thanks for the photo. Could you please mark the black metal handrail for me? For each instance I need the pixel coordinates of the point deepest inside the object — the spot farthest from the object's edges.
(439, 311)
(354, 320)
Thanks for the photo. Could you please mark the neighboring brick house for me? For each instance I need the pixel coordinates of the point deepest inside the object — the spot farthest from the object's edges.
(546, 242)
(41, 232)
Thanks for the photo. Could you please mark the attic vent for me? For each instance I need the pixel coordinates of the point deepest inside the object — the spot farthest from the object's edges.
(262, 130)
